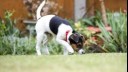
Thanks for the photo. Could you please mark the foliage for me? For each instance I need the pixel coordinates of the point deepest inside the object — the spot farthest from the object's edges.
(115, 41)
(91, 21)
(7, 26)
(55, 48)
(12, 44)
(17, 46)
(9, 35)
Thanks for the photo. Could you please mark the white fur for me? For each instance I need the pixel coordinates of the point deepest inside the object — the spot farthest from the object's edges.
(42, 26)
(81, 51)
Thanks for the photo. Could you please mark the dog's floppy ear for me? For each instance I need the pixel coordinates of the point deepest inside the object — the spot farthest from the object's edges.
(83, 38)
(73, 31)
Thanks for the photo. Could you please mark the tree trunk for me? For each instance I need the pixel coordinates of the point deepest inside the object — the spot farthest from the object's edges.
(103, 11)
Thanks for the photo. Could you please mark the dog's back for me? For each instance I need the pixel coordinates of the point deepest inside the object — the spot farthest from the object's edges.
(50, 23)
(43, 23)
(56, 22)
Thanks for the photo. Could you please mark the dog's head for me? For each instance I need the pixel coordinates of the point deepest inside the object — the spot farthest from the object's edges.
(77, 41)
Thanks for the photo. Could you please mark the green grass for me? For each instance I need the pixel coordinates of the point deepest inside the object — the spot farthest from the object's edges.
(98, 62)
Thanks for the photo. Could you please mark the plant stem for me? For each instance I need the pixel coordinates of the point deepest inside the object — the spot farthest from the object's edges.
(103, 11)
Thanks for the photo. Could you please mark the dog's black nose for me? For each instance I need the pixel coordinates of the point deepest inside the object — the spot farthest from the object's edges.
(83, 52)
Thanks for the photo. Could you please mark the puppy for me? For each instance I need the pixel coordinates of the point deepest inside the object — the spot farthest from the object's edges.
(51, 25)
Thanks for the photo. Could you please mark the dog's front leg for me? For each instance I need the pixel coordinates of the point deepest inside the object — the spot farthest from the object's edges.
(65, 51)
(66, 45)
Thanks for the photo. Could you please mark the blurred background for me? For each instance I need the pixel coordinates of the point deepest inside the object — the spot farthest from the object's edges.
(98, 20)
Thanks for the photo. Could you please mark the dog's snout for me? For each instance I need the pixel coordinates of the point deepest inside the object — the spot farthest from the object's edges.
(83, 52)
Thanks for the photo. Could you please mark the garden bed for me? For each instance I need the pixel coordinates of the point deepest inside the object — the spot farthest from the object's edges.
(97, 29)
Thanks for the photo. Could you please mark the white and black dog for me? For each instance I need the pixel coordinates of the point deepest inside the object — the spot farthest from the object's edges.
(51, 25)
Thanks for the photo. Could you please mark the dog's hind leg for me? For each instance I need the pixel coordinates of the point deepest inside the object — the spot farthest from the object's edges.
(45, 42)
(39, 39)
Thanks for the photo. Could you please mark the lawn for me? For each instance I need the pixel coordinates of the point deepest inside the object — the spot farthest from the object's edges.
(96, 62)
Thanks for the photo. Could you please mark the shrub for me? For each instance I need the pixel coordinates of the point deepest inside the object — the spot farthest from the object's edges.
(115, 41)
(91, 21)
(7, 25)
(9, 35)
(55, 48)
(17, 46)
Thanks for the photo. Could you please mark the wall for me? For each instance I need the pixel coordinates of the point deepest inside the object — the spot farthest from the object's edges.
(112, 5)
(13, 5)
(17, 6)
(68, 8)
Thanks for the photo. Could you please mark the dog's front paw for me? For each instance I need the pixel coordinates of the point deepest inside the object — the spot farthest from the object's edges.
(70, 53)
(38, 54)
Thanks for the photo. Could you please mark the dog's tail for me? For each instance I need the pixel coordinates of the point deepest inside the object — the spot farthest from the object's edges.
(39, 9)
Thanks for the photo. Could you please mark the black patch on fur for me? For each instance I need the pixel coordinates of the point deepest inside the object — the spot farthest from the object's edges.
(55, 22)
(76, 39)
